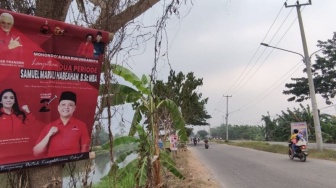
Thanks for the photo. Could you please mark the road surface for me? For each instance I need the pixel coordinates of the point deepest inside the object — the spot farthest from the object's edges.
(310, 145)
(236, 167)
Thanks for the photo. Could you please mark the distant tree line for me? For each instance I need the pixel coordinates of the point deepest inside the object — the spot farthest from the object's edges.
(278, 129)
(238, 132)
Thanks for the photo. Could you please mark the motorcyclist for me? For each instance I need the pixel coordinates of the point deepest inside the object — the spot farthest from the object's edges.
(294, 138)
(206, 141)
(195, 140)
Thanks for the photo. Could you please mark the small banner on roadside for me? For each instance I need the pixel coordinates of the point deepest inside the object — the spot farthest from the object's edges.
(301, 127)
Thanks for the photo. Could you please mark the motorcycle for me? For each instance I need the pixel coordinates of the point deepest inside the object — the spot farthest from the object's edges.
(301, 150)
(206, 144)
(195, 142)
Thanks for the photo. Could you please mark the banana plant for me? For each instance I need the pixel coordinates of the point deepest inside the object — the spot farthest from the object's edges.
(146, 105)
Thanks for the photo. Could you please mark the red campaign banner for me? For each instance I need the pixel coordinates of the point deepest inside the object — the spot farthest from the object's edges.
(50, 74)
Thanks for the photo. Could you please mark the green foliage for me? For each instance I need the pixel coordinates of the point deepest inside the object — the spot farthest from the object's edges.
(169, 164)
(120, 141)
(181, 89)
(128, 179)
(324, 75)
(328, 128)
(132, 78)
(278, 129)
(270, 126)
(189, 131)
(202, 134)
(102, 136)
(176, 116)
(145, 106)
(121, 94)
(139, 166)
(238, 132)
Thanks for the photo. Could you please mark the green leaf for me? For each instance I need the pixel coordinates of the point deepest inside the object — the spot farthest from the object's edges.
(135, 121)
(130, 77)
(142, 172)
(118, 94)
(122, 157)
(171, 167)
(131, 167)
(124, 140)
(120, 140)
(142, 133)
(145, 79)
(166, 157)
(177, 118)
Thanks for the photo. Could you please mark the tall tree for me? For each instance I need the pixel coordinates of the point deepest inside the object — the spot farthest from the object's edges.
(182, 89)
(324, 75)
(269, 127)
(279, 128)
(118, 17)
(202, 133)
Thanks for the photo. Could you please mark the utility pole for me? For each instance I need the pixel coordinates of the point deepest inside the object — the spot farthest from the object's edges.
(227, 117)
(317, 126)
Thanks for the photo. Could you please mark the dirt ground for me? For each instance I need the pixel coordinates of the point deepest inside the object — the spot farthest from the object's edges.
(196, 174)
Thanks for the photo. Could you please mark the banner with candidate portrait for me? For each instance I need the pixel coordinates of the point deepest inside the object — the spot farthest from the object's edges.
(50, 75)
(301, 127)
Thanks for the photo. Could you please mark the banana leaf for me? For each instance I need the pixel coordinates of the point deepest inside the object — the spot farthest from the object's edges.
(130, 77)
(171, 167)
(177, 118)
(118, 94)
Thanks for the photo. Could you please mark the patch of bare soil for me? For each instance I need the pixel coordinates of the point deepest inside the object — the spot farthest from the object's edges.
(196, 174)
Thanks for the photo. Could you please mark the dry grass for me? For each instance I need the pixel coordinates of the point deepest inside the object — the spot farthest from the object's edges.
(196, 174)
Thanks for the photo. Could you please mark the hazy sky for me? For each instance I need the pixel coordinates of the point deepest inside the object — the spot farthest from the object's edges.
(219, 40)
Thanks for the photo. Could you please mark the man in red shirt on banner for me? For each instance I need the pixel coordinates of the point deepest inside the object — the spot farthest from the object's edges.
(8, 40)
(66, 135)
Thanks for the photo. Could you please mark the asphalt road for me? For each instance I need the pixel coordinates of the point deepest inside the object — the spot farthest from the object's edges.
(236, 167)
(310, 145)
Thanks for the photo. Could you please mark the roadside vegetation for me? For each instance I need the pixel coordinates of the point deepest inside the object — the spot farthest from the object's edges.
(195, 175)
(278, 129)
(275, 148)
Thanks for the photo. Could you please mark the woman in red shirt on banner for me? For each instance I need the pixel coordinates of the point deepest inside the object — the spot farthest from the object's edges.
(66, 135)
(14, 127)
(86, 48)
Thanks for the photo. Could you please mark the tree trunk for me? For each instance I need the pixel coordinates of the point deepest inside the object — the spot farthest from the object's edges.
(56, 10)
(46, 177)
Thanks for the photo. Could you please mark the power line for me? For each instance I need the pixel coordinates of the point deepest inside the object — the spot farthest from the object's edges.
(239, 80)
(234, 85)
(247, 80)
(265, 60)
(276, 86)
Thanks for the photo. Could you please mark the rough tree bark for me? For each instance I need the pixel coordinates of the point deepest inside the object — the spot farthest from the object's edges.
(56, 10)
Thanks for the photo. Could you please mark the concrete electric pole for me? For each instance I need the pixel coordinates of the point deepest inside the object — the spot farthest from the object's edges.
(227, 117)
(307, 60)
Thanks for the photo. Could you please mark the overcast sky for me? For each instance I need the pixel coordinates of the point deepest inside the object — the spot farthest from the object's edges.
(219, 40)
